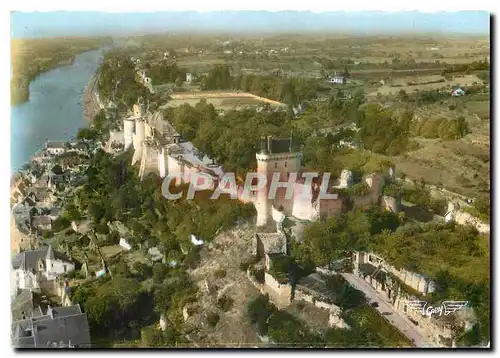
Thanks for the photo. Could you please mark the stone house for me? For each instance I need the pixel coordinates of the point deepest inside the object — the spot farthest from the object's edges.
(337, 80)
(34, 268)
(270, 244)
(41, 222)
(58, 327)
(41, 197)
(55, 147)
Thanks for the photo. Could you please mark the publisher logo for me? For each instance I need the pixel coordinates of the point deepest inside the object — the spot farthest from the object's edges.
(444, 309)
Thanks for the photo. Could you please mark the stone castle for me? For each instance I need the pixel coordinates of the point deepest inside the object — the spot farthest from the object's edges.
(158, 147)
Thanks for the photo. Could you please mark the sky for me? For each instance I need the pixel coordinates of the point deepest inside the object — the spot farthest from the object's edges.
(64, 23)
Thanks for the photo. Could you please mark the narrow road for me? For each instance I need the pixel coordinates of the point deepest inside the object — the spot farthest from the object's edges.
(388, 312)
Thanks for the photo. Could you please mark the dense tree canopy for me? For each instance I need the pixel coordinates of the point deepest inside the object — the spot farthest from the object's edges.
(232, 138)
(115, 307)
(329, 240)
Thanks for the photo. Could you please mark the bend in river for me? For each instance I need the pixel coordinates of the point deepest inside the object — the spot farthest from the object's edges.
(54, 110)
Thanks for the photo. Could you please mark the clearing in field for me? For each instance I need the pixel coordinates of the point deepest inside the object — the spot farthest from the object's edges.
(220, 100)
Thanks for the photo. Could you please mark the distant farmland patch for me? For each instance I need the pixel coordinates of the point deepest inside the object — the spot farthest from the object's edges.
(220, 100)
(425, 83)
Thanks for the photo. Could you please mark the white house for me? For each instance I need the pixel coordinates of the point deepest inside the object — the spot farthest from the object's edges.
(55, 148)
(31, 268)
(337, 79)
(125, 244)
(458, 92)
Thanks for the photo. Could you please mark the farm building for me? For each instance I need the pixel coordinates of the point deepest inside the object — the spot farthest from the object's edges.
(458, 92)
(337, 79)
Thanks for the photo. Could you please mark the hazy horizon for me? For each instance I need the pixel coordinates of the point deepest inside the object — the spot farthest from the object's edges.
(75, 23)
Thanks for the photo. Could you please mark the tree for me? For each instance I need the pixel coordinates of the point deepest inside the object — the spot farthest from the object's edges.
(113, 305)
(143, 270)
(159, 272)
(87, 134)
(258, 311)
(287, 330)
(56, 169)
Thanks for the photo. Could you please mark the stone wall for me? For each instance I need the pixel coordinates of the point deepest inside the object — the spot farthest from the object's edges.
(335, 319)
(279, 294)
(392, 204)
(303, 296)
(365, 200)
(414, 280)
(464, 218)
(330, 207)
(283, 292)
(417, 282)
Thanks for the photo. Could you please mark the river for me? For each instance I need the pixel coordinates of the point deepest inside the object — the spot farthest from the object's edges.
(54, 110)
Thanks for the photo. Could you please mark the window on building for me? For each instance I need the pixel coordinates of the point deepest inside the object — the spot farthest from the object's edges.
(275, 165)
(64, 268)
(285, 164)
(405, 308)
(52, 265)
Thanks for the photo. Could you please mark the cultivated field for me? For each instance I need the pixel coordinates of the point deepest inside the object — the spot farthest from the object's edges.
(220, 100)
(411, 84)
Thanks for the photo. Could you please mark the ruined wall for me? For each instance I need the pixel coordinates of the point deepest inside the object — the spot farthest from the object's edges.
(282, 292)
(365, 200)
(464, 218)
(392, 204)
(335, 311)
(330, 207)
(412, 279)
(303, 296)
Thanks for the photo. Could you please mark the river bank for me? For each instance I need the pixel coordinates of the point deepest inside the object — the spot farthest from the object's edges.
(20, 92)
(60, 103)
(90, 107)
